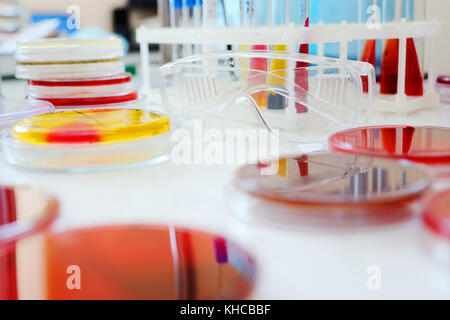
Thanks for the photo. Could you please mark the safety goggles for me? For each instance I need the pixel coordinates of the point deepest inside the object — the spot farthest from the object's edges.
(304, 97)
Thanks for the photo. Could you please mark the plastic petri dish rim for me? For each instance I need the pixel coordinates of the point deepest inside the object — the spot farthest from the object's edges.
(59, 49)
(436, 215)
(13, 110)
(332, 182)
(427, 145)
(87, 69)
(25, 211)
(146, 262)
(99, 81)
(101, 100)
(84, 92)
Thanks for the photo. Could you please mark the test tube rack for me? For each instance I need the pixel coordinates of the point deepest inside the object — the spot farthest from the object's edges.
(292, 35)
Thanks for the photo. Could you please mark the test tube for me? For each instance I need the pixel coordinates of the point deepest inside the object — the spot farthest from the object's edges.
(301, 75)
(258, 66)
(278, 66)
(176, 7)
(399, 60)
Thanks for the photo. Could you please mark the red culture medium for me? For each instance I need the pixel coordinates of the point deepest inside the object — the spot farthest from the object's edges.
(123, 78)
(429, 145)
(144, 262)
(74, 133)
(437, 214)
(104, 100)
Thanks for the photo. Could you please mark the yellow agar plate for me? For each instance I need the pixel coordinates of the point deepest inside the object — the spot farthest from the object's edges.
(91, 126)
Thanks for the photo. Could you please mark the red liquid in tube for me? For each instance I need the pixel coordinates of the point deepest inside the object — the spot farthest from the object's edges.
(368, 55)
(301, 78)
(389, 69)
(258, 71)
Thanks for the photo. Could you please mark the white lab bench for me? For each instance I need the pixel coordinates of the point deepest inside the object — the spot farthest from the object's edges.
(294, 263)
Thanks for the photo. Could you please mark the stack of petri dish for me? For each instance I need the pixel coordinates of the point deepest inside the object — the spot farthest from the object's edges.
(12, 16)
(72, 73)
(98, 121)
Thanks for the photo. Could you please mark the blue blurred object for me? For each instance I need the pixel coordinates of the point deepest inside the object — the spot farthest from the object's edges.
(279, 12)
(332, 11)
(37, 17)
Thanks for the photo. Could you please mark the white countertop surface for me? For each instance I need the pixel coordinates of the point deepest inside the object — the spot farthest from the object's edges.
(294, 263)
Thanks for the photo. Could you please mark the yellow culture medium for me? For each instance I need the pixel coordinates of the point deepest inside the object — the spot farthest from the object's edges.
(90, 126)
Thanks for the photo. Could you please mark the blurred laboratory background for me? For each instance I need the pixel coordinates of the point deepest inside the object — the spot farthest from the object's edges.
(32, 19)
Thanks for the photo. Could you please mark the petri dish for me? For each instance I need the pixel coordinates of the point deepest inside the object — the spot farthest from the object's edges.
(136, 262)
(13, 110)
(443, 87)
(74, 92)
(75, 101)
(436, 218)
(73, 88)
(24, 211)
(426, 145)
(25, 214)
(79, 140)
(331, 187)
(54, 58)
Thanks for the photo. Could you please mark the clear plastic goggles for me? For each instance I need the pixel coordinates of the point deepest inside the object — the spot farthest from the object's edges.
(305, 97)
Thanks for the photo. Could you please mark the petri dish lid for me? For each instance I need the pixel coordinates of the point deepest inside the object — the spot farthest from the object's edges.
(88, 82)
(65, 49)
(12, 110)
(92, 101)
(437, 214)
(24, 211)
(141, 262)
(445, 80)
(87, 126)
(428, 145)
(336, 180)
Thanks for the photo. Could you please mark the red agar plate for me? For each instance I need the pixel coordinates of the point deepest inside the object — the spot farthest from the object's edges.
(135, 262)
(428, 145)
(337, 184)
(437, 214)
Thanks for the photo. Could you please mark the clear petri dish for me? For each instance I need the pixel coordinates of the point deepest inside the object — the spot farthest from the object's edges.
(100, 100)
(69, 58)
(136, 262)
(332, 188)
(24, 212)
(88, 139)
(426, 145)
(72, 92)
(13, 110)
(82, 69)
(436, 218)
(443, 87)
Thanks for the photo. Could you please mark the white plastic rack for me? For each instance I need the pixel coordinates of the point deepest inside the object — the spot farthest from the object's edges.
(292, 35)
